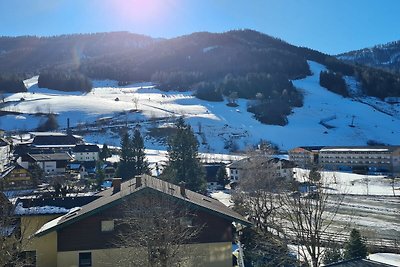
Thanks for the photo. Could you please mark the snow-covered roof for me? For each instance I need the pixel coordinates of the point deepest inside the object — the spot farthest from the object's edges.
(20, 210)
(354, 149)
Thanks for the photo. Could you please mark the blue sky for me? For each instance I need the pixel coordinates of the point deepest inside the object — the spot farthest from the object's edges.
(331, 26)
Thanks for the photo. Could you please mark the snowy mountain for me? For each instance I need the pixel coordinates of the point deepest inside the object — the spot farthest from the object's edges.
(219, 128)
(386, 56)
(264, 79)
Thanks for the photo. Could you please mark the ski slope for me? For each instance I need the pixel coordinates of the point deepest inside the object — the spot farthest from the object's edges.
(218, 122)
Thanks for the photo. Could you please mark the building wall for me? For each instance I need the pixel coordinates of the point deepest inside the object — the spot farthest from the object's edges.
(86, 234)
(303, 158)
(352, 159)
(18, 178)
(4, 157)
(45, 246)
(87, 156)
(396, 161)
(202, 255)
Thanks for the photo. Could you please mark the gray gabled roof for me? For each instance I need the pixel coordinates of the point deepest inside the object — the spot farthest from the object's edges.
(51, 156)
(108, 198)
(86, 148)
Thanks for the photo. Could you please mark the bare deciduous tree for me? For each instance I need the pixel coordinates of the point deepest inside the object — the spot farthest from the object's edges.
(158, 228)
(257, 197)
(135, 100)
(309, 219)
(13, 239)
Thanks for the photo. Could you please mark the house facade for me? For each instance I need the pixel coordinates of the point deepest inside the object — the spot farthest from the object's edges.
(86, 237)
(83, 152)
(305, 156)
(279, 168)
(16, 178)
(212, 175)
(52, 163)
(382, 159)
(33, 213)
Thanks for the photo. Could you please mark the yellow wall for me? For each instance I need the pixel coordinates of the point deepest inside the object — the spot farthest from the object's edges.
(206, 255)
(45, 246)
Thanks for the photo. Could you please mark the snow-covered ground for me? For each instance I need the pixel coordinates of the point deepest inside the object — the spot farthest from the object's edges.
(218, 122)
(388, 258)
(351, 183)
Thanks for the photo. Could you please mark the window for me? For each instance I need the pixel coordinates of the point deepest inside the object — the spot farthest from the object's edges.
(29, 257)
(85, 259)
(107, 226)
(186, 221)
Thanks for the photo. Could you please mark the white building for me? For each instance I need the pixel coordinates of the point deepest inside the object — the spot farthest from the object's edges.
(54, 163)
(5, 154)
(84, 152)
(361, 158)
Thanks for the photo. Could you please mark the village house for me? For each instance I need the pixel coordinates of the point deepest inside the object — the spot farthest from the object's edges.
(32, 213)
(58, 142)
(85, 236)
(52, 163)
(16, 178)
(212, 175)
(279, 168)
(84, 152)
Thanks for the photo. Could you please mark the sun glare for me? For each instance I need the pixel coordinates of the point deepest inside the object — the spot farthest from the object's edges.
(141, 11)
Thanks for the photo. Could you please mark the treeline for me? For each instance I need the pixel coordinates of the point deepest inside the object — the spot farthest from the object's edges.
(334, 82)
(378, 83)
(271, 96)
(176, 80)
(65, 81)
(11, 84)
(208, 91)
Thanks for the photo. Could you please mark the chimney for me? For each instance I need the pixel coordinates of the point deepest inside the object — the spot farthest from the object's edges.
(68, 129)
(116, 184)
(183, 189)
(138, 181)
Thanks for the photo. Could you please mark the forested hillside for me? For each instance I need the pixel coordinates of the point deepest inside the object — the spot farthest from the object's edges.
(235, 64)
(386, 56)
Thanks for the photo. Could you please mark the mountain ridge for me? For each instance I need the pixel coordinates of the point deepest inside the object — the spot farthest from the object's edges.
(384, 56)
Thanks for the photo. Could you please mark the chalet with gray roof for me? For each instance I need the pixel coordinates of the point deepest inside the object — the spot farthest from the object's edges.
(89, 232)
(51, 163)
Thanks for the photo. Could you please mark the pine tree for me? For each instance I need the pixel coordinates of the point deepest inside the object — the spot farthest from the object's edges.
(183, 162)
(133, 159)
(105, 153)
(139, 156)
(355, 246)
(222, 176)
(100, 175)
(126, 164)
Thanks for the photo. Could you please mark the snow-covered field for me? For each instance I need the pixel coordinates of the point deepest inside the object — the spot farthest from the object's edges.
(351, 183)
(218, 122)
